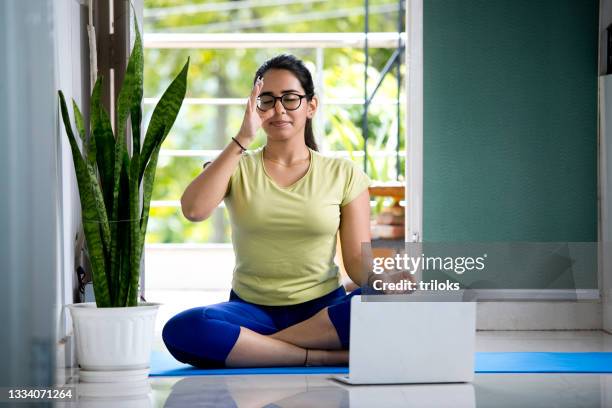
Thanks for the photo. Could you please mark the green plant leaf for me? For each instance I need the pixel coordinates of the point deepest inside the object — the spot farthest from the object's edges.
(78, 119)
(122, 257)
(163, 116)
(90, 213)
(133, 103)
(131, 89)
(91, 169)
(149, 178)
(134, 227)
(124, 269)
(136, 102)
(102, 134)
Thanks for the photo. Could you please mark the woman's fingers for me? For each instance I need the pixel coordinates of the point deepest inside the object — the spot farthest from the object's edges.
(255, 92)
(253, 95)
(251, 121)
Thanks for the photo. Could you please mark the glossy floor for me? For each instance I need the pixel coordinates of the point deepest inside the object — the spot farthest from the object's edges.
(488, 390)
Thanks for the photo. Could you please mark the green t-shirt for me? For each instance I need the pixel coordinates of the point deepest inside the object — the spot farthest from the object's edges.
(284, 238)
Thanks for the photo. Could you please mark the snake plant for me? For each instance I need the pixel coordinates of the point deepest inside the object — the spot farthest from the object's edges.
(114, 188)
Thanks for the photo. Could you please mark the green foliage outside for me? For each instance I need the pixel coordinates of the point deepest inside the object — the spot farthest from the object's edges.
(228, 73)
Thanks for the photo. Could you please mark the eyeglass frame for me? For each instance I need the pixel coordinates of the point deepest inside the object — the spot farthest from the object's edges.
(276, 98)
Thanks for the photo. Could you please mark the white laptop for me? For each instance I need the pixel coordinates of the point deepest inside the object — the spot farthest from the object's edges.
(402, 342)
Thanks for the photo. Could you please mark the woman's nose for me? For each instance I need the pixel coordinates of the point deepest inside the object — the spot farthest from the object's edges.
(278, 106)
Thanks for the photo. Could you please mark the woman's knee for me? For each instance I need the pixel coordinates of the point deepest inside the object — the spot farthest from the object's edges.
(192, 336)
(340, 316)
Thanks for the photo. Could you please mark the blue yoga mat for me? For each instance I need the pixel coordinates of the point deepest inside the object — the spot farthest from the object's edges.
(543, 362)
(164, 365)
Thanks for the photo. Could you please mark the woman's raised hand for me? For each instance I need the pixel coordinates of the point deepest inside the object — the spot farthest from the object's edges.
(253, 118)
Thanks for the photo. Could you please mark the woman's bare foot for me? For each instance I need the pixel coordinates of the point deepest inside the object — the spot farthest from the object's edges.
(327, 357)
(316, 332)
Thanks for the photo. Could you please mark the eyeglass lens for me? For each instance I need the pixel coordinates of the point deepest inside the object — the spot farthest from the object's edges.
(289, 101)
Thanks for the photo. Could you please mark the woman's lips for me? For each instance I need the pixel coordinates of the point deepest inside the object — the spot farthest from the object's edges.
(280, 124)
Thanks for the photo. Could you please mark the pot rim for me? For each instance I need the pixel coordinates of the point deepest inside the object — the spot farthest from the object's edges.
(93, 306)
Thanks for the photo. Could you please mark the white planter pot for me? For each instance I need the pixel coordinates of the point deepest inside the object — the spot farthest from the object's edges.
(113, 343)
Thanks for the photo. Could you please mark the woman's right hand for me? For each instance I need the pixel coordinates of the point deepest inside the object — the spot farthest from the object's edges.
(252, 116)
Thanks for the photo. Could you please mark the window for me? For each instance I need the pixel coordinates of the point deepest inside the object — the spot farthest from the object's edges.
(227, 41)
(224, 57)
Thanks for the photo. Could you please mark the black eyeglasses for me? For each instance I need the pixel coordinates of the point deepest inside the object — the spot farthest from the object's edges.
(290, 101)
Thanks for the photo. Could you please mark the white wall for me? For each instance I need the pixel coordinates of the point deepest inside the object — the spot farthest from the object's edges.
(72, 77)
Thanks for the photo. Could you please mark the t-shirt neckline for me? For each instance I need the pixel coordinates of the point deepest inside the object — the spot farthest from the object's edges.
(310, 163)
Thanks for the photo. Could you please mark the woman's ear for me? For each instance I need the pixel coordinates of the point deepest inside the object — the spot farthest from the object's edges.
(312, 106)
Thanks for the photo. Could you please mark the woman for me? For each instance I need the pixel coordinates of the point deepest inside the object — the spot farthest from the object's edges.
(286, 202)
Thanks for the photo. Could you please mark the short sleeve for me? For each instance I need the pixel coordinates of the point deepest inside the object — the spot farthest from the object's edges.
(356, 181)
(234, 177)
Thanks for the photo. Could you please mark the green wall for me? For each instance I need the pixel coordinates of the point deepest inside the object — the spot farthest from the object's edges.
(510, 121)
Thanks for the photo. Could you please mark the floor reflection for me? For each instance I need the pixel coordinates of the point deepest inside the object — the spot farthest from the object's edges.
(487, 390)
(307, 392)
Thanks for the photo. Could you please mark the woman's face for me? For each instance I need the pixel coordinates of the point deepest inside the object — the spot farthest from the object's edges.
(278, 122)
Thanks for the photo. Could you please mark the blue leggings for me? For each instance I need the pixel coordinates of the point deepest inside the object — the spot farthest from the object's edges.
(204, 336)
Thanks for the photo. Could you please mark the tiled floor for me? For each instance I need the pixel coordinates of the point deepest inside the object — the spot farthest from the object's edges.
(301, 391)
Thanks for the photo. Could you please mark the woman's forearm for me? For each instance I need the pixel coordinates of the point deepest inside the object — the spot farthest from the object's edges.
(354, 270)
(207, 190)
(354, 232)
(205, 193)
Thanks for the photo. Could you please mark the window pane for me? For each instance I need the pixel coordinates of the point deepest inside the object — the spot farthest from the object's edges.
(213, 73)
(228, 73)
(168, 225)
(343, 132)
(204, 127)
(174, 175)
(292, 16)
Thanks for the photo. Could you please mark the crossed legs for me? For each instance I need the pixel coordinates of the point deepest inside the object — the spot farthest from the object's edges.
(239, 334)
(288, 346)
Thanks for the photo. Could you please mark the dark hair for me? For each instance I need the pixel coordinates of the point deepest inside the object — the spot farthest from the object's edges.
(297, 67)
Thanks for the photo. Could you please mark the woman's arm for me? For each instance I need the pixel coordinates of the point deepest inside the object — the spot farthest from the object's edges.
(207, 190)
(205, 193)
(355, 229)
